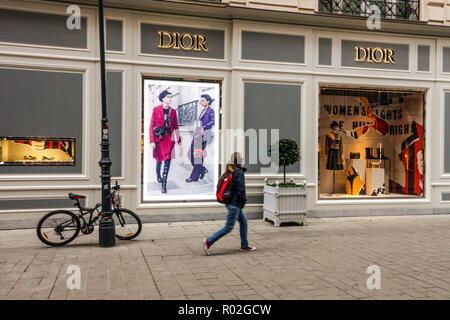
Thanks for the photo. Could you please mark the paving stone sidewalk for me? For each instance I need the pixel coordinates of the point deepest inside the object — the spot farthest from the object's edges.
(327, 259)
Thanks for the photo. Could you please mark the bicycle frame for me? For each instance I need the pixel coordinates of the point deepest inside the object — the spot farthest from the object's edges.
(115, 201)
(90, 211)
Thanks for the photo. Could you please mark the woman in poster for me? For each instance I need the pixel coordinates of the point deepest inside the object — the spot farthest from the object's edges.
(202, 136)
(163, 122)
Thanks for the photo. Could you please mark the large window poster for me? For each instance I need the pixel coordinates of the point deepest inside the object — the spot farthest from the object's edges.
(371, 143)
(180, 140)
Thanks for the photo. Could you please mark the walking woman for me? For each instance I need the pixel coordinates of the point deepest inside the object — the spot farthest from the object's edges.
(235, 207)
(202, 136)
(163, 123)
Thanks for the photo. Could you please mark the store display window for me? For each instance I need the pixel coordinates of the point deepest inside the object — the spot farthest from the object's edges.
(37, 151)
(180, 145)
(371, 143)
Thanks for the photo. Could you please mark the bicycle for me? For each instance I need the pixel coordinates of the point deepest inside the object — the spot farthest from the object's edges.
(60, 227)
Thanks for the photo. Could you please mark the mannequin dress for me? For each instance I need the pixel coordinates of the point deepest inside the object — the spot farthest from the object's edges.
(334, 149)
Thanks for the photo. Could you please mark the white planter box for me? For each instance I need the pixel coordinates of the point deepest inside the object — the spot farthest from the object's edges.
(284, 205)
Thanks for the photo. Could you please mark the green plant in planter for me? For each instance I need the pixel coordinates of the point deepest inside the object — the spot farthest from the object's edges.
(288, 154)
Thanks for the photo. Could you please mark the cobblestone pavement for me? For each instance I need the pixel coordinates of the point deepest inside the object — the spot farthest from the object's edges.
(326, 259)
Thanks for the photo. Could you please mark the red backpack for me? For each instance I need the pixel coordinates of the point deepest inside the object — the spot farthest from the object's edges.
(223, 193)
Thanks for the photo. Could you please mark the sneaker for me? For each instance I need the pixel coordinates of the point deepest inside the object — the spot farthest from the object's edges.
(206, 246)
(249, 248)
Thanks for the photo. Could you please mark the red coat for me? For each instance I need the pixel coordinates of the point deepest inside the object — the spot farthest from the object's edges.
(164, 146)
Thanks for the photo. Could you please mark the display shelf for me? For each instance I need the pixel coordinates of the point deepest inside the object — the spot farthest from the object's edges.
(37, 151)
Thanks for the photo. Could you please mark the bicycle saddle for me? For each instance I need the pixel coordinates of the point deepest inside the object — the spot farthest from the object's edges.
(74, 196)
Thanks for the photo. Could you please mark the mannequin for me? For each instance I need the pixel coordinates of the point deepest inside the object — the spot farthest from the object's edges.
(334, 150)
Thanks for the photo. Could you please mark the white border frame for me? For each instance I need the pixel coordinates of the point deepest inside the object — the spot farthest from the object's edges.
(55, 9)
(319, 36)
(144, 71)
(292, 33)
(123, 20)
(429, 94)
(443, 91)
(441, 192)
(431, 61)
(122, 71)
(217, 144)
(440, 58)
(279, 80)
(272, 28)
(86, 129)
(168, 198)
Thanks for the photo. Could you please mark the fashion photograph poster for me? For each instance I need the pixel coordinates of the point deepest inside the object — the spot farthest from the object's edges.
(180, 143)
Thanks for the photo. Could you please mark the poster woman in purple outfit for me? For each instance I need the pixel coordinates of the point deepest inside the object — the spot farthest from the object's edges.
(164, 115)
(202, 136)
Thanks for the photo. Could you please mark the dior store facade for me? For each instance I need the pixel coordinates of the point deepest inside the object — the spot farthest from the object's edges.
(369, 110)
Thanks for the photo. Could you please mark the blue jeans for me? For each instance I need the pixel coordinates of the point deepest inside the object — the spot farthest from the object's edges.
(234, 213)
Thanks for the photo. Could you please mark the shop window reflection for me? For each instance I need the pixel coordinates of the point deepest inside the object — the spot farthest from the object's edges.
(36, 151)
(371, 143)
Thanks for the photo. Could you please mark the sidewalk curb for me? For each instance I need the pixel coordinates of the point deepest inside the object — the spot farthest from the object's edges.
(30, 223)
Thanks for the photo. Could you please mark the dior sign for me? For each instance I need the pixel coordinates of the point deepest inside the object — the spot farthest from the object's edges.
(374, 55)
(184, 41)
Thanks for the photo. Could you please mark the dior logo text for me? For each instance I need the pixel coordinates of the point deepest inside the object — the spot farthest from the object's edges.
(184, 41)
(374, 55)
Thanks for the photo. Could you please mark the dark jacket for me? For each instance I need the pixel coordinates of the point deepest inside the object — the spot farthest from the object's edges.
(207, 121)
(238, 188)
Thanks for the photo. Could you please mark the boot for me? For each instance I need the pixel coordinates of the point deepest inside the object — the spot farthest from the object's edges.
(158, 171)
(164, 177)
(204, 171)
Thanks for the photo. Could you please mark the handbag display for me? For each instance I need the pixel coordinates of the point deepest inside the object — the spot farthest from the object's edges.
(163, 130)
(355, 155)
(159, 131)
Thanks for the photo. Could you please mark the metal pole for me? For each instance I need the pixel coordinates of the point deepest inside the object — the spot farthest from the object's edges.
(106, 229)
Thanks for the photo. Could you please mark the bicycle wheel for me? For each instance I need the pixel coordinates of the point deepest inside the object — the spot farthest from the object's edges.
(127, 223)
(58, 228)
